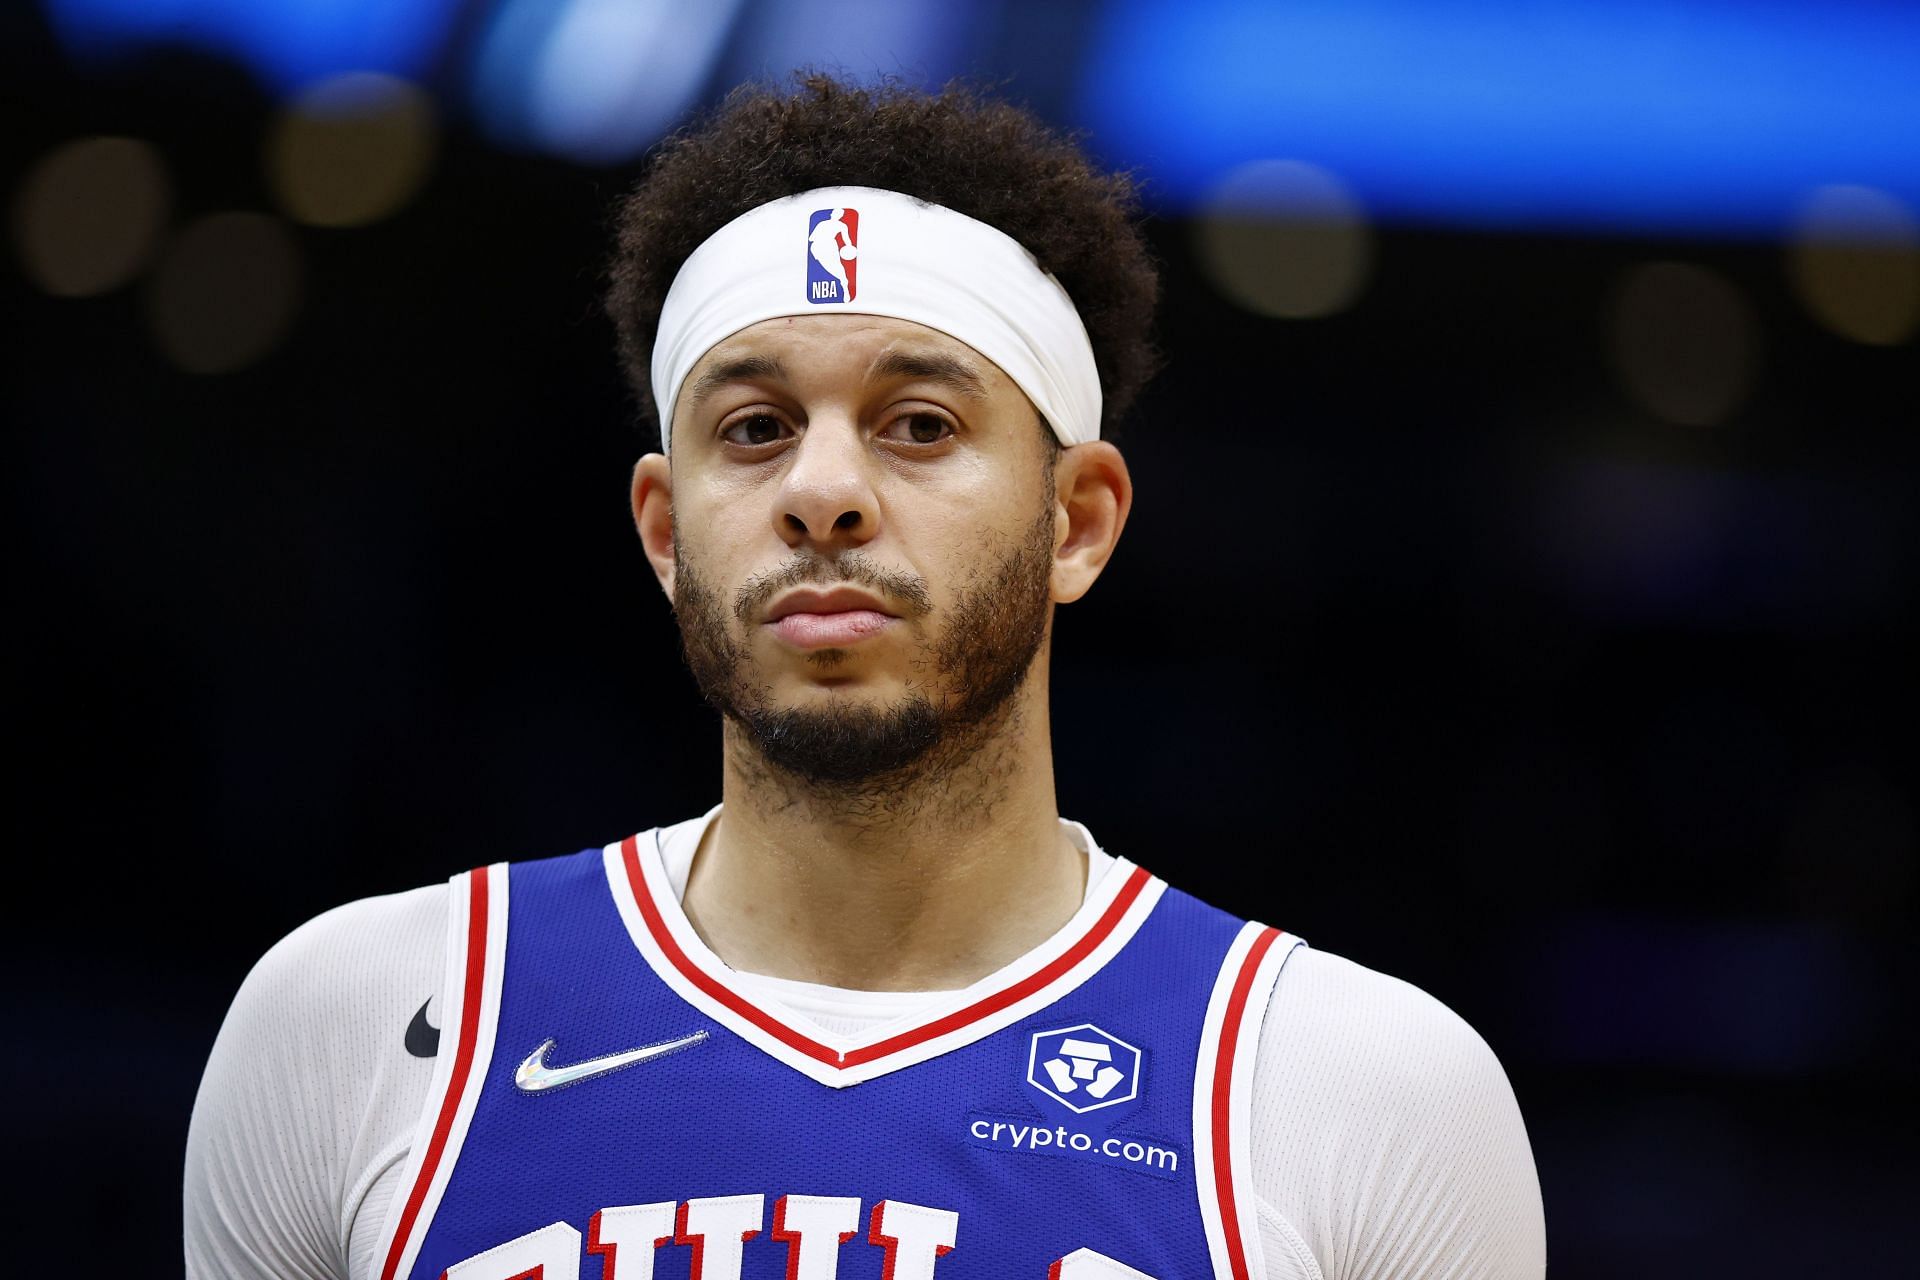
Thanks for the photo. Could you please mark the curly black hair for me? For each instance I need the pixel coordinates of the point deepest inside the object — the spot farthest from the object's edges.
(976, 155)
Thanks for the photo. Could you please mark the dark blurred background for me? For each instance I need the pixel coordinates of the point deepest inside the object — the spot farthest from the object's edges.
(1520, 599)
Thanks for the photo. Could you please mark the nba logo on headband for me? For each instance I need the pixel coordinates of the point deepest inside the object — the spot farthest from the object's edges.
(833, 250)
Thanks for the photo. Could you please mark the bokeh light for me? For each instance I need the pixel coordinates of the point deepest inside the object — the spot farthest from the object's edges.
(926, 41)
(287, 44)
(1684, 342)
(226, 292)
(1855, 264)
(351, 150)
(1647, 114)
(595, 80)
(88, 216)
(1284, 238)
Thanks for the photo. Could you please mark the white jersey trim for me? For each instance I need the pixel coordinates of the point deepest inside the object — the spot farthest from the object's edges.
(1106, 921)
(476, 960)
(1223, 1099)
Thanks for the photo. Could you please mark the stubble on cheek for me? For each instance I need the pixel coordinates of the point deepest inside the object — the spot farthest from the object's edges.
(714, 656)
(995, 628)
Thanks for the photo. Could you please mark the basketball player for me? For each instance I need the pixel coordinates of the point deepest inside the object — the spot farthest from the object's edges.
(882, 1014)
(832, 247)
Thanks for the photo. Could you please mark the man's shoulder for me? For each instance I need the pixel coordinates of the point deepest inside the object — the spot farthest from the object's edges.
(327, 991)
(349, 944)
(1374, 1048)
(1385, 1128)
(1342, 1005)
(314, 1081)
(335, 955)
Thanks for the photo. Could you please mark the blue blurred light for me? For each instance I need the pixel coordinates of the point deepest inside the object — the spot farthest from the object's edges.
(1638, 114)
(288, 44)
(595, 80)
(924, 42)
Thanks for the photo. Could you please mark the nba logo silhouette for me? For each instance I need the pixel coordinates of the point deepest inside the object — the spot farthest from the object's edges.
(833, 247)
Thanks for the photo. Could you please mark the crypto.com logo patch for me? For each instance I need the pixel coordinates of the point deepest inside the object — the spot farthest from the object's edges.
(1083, 1068)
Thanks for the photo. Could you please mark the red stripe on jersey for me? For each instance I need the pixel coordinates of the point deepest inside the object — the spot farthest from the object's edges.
(462, 1064)
(636, 880)
(986, 1006)
(990, 1005)
(1222, 1111)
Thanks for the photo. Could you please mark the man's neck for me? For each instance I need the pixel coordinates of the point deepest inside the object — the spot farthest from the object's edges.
(924, 888)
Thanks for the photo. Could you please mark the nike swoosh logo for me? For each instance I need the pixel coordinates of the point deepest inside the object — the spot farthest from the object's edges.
(535, 1076)
(423, 1038)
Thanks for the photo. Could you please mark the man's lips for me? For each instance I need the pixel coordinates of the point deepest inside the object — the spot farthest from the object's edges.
(814, 600)
(813, 619)
(830, 630)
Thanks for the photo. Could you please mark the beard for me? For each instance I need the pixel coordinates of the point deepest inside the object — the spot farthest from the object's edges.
(976, 663)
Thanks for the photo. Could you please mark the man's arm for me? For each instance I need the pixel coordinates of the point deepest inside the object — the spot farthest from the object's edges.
(1387, 1144)
(311, 1093)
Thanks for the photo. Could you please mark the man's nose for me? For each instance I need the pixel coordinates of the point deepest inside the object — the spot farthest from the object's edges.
(827, 497)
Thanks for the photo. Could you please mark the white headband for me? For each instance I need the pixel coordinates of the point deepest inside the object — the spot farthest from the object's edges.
(865, 251)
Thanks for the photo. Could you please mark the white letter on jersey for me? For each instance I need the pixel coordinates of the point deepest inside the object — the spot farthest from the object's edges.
(813, 1228)
(913, 1236)
(716, 1226)
(628, 1235)
(1085, 1264)
(551, 1253)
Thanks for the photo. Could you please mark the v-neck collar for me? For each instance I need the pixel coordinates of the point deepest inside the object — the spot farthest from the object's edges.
(1107, 919)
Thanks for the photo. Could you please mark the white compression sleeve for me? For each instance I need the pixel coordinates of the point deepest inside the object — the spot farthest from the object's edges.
(1387, 1144)
(310, 1095)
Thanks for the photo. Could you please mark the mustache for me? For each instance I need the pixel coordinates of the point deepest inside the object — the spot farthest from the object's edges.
(906, 591)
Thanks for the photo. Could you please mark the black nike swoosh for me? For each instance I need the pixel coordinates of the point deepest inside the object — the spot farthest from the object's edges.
(423, 1038)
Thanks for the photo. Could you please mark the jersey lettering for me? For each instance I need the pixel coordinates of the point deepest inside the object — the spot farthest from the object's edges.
(551, 1253)
(1085, 1264)
(914, 1236)
(627, 1236)
(716, 1227)
(813, 1228)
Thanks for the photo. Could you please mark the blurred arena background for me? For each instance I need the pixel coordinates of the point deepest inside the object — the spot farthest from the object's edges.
(1521, 596)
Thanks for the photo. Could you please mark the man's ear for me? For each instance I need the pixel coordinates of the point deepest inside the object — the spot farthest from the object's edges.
(653, 515)
(1092, 494)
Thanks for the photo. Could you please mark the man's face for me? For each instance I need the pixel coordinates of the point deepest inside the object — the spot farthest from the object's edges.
(863, 518)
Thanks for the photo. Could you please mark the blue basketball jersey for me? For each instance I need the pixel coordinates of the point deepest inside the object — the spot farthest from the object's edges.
(607, 1105)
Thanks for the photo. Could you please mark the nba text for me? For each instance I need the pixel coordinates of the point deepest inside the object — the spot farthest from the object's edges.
(717, 1231)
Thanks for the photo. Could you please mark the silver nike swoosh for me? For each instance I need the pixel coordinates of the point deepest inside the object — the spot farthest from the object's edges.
(535, 1076)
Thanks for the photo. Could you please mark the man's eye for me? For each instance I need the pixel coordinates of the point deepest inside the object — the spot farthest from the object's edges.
(761, 428)
(921, 428)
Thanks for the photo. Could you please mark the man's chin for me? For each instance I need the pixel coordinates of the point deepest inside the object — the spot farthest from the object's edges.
(836, 739)
(833, 678)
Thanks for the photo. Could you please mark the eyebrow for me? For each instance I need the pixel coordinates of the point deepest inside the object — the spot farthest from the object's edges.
(745, 369)
(933, 366)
